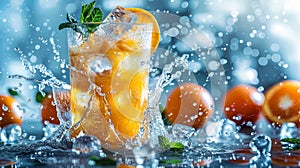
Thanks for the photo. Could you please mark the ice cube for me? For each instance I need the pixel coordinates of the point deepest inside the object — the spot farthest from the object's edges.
(11, 134)
(118, 21)
(182, 133)
(261, 144)
(100, 64)
(229, 130)
(220, 131)
(87, 144)
(120, 14)
(288, 130)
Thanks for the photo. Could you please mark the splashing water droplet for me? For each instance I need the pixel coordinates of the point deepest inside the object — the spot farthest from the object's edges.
(11, 134)
(86, 144)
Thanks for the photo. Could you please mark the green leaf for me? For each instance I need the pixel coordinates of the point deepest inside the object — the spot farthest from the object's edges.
(171, 161)
(38, 163)
(163, 142)
(89, 14)
(13, 92)
(86, 11)
(102, 161)
(291, 140)
(39, 97)
(291, 144)
(176, 146)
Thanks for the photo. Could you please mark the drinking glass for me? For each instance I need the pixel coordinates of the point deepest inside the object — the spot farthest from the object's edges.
(109, 83)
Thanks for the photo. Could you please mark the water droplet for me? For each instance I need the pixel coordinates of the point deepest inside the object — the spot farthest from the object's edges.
(173, 32)
(86, 144)
(182, 133)
(275, 47)
(4, 107)
(288, 130)
(184, 4)
(250, 18)
(11, 134)
(37, 47)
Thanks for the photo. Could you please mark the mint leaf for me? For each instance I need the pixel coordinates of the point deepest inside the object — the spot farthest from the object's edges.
(98, 161)
(73, 24)
(291, 140)
(163, 141)
(39, 97)
(13, 92)
(176, 146)
(172, 161)
(291, 143)
(166, 144)
(86, 11)
(89, 14)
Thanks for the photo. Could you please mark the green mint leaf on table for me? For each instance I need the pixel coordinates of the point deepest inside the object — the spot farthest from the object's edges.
(166, 144)
(163, 142)
(172, 161)
(291, 143)
(291, 140)
(98, 161)
(176, 146)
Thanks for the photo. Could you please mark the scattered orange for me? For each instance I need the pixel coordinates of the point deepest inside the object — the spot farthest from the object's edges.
(282, 103)
(242, 104)
(189, 104)
(10, 111)
(49, 112)
(146, 17)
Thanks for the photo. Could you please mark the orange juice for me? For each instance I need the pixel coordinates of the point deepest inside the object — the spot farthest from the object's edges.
(109, 80)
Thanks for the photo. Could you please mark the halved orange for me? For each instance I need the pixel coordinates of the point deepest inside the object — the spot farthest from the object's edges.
(146, 17)
(282, 103)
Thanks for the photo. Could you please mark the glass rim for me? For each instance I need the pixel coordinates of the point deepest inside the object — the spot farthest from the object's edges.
(103, 23)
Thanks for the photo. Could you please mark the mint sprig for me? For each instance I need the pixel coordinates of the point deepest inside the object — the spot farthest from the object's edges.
(165, 143)
(291, 143)
(98, 161)
(89, 14)
(291, 140)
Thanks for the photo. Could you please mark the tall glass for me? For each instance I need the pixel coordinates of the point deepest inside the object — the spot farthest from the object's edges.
(109, 83)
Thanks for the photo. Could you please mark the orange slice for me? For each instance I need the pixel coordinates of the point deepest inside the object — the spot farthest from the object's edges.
(282, 103)
(146, 17)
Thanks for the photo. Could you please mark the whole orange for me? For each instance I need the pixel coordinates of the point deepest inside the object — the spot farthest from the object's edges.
(10, 111)
(49, 109)
(48, 112)
(242, 104)
(189, 104)
(282, 103)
